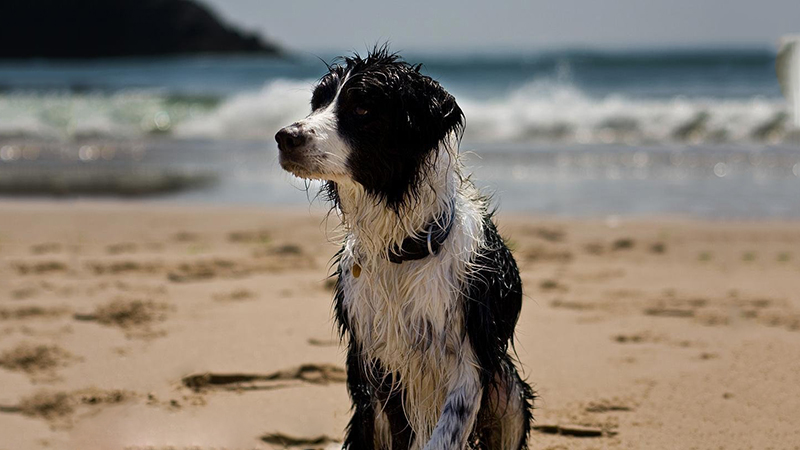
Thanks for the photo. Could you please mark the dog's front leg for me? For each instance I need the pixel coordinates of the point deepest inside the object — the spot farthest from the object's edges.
(361, 429)
(460, 408)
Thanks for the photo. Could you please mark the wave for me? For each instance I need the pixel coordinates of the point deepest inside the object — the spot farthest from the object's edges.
(545, 111)
(539, 111)
(129, 113)
(254, 115)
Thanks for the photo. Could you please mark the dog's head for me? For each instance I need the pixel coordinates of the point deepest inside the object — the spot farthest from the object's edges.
(374, 121)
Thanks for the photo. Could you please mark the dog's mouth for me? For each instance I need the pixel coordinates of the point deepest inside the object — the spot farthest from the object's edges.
(296, 168)
(309, 170)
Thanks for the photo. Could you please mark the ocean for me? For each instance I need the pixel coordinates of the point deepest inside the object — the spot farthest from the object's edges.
(580, 133)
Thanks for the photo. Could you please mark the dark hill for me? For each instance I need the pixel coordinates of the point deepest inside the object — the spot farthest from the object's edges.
(115, 28)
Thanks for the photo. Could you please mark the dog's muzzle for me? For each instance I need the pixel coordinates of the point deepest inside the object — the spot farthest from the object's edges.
(291, 144)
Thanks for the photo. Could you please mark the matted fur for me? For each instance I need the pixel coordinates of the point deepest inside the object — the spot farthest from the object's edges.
(428, 362)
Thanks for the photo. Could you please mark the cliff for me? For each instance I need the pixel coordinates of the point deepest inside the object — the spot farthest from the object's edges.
(117, 28)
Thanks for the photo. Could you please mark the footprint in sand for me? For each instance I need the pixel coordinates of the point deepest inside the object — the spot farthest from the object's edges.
(46, 248)
(285, 440)
(306, 373)
(123, 267)
(249, 236)
(25, 292)
(39, 267)
(118, 249)
(58, 407)
(32, 312)
(578, 431)
(136, 317)
(548, 255)
(323, 342)
(552, 285)
(39, 362)
(608, 405)
(235, 296)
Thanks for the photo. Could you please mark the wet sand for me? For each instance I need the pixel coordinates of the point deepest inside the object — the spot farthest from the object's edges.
(127, 325)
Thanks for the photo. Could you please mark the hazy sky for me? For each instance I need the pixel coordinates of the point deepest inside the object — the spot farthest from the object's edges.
(485, 25)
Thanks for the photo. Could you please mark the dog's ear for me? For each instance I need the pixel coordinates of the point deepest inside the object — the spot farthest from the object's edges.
(431, 112)
(452, 118)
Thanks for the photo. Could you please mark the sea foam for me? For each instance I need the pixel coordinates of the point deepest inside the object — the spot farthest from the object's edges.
(539, 111)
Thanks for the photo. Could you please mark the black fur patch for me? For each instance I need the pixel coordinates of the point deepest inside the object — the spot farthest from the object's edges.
(492, 302)
(488, 432)
(393, 118)
(361, 429)
(389, 395)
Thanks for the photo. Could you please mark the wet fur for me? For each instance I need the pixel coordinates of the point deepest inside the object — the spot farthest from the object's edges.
(428, 340)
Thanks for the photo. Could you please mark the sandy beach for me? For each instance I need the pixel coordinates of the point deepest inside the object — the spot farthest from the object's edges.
(128, 326)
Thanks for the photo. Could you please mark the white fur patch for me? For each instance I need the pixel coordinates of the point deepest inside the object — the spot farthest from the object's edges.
(326, 152)
(410, 315)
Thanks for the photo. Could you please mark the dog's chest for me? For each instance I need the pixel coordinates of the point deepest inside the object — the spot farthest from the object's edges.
(403, 313)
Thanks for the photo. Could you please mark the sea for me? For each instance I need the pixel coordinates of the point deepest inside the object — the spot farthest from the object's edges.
(699, 133)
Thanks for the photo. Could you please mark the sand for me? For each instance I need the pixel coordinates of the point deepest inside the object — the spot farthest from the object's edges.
(128, 325)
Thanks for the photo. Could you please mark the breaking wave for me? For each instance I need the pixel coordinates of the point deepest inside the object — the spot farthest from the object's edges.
(544, 112)
(539, 111)
(253, 115)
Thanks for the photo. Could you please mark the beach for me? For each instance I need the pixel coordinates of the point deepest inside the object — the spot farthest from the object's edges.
(166, 285)
(127, 324)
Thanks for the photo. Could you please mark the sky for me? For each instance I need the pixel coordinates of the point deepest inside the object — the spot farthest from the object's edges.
(474, 25)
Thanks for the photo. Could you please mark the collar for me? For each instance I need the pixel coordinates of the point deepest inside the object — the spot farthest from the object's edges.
(427, 243)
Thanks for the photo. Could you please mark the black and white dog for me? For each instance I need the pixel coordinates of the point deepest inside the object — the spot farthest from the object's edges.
(428, 294)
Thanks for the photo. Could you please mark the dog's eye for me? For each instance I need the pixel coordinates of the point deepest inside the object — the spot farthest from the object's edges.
(361, 111)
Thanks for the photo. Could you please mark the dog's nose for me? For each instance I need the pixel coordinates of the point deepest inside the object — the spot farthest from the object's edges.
(290, 138)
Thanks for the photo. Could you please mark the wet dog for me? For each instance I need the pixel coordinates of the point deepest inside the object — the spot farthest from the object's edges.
(428, 295)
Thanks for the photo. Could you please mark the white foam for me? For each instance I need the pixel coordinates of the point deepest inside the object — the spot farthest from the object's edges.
(255, 115)
(60, 115)
(787, 66)
(546, 111)
(539, 111)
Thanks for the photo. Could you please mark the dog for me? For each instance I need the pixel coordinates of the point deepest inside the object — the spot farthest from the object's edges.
(427, 294)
